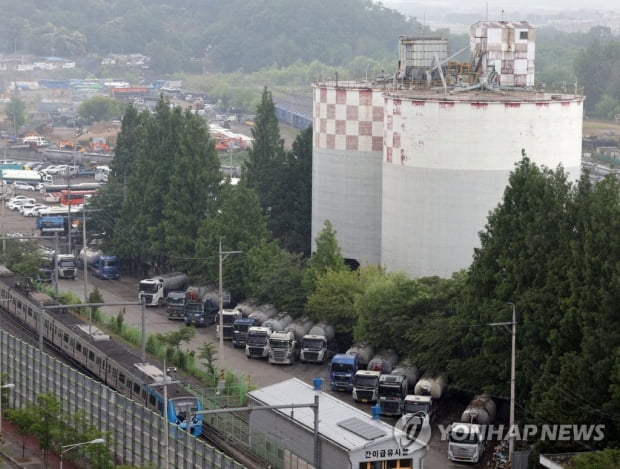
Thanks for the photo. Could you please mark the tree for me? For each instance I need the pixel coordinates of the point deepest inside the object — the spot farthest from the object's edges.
(275, 276)
(173, 339)
(15, 111)
(208, 353)
(240, 225)
(264, 168)
(597, 459)
(326, 257)
(99, 108)
(24, 419)
(334, 298)
(293, 205)
(48, 421)
(172, 187)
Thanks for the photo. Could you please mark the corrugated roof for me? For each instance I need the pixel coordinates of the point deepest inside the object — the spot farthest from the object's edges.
(332, 414)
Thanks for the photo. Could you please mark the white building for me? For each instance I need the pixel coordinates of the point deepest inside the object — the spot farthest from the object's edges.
(348, 437)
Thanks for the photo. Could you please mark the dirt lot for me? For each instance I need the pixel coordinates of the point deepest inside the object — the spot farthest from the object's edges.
(597, 127)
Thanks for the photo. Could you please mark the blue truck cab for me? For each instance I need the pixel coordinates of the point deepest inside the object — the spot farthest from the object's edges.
(240, 331)
(106, 267)
(342, 369)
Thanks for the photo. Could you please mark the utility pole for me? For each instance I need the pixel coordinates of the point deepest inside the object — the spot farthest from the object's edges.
(513, 333)
(511, 442)
(222, 257)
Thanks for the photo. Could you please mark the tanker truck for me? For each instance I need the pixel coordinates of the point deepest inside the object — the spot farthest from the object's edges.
(201, 305)
(100, 265)
(300, 328)
(467, 438)
(153, 291)
(318, 345)
(366, 382)
(284, 344)
(394, 387)
(252, 316)
(342, 369)
(279, 323)
(427, 393)
(384, 361)
(364, 353)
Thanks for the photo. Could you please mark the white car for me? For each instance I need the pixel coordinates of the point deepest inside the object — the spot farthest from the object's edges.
(15, 198)
(23, 186)
(31, 210)
(15, 204)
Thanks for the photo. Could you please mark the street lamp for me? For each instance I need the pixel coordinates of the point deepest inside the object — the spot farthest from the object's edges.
(4, 386)
(65, 448)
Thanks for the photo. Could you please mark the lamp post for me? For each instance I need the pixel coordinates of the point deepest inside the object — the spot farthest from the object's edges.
(222, 256)
(65, 448)
(4, 386)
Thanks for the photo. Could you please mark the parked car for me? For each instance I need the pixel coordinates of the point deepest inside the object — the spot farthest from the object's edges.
(15, 204)
(25, 206)
(16, 197)
(32, 210)
(23, 186)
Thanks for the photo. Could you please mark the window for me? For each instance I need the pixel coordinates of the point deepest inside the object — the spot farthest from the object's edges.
(523, 35)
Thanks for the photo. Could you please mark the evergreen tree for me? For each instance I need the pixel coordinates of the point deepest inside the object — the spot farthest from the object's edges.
(264, 169)
(168, 191)
(294, 202)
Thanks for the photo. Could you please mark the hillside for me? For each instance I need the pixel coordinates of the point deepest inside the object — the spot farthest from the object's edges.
(193, 35)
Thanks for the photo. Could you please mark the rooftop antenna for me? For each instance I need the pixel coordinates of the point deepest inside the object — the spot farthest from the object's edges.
(502, 16)
(487, 12)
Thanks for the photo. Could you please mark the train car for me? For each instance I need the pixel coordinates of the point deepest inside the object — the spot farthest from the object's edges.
(110, 361)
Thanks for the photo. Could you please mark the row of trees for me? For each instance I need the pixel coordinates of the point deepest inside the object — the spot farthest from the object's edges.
(54, 429)
(166, 204)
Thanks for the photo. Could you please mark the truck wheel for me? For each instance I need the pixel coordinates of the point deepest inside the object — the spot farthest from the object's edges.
(160, 302)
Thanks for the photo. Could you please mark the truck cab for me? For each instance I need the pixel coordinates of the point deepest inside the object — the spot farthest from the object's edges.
(415, 404)
(466, 442)
(175, 305)
(342, 369)
(392, 392)
(106, 267)
(229, 316)
(283, 348)
(366, 386)
(66, 266)
(241, 327)
(201, 312)
(257, 342)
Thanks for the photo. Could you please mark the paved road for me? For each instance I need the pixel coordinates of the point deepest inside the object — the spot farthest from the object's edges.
(259, 372)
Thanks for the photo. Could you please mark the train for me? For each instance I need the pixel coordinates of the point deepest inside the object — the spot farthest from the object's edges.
(110, 361)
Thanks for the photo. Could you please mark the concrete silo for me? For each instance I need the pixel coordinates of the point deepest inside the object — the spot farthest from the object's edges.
(447, 161)
(346, 166)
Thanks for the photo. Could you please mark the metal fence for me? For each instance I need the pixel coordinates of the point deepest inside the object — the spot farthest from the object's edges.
(136, 432)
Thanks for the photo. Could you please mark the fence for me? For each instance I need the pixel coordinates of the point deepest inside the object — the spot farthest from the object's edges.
(136, 432)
